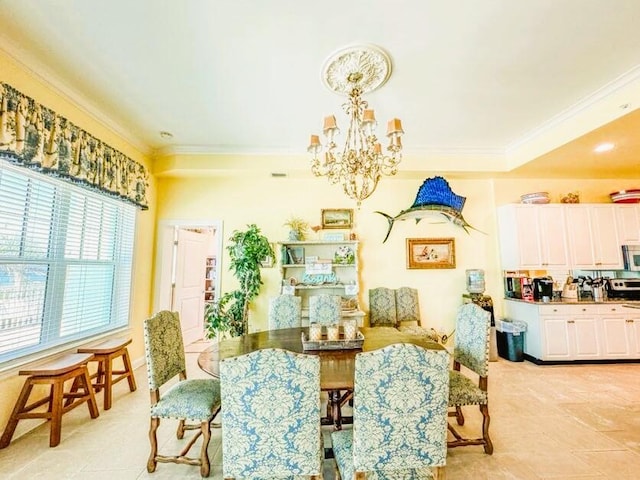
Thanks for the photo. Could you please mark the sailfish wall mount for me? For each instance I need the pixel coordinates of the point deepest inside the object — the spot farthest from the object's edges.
(434, 197)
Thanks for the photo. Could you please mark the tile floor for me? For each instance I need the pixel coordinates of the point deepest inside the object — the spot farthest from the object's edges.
(554, 422)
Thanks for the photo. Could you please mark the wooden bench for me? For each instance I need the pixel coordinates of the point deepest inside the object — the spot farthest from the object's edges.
(105, 376)
(54, 373)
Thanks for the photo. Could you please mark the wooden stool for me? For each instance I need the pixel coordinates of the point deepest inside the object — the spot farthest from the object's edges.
(54, 373)
(104, 353)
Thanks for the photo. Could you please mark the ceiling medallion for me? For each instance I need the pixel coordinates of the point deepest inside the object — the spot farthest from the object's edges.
(365, 66)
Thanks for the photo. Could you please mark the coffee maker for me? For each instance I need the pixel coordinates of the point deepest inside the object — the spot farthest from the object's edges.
(543, 288)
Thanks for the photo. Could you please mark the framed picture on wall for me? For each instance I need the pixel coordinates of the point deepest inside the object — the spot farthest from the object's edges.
(337, 218)
(431, 253)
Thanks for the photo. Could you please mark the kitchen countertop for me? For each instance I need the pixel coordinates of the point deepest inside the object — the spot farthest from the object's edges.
(567, 301)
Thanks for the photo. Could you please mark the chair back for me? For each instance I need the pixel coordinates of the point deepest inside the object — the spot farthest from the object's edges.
(407, 306)
(285, 311)
(382, 307)
(164, 348)
(271, 415)
(400, 408)
(473, 333)
(325, 309)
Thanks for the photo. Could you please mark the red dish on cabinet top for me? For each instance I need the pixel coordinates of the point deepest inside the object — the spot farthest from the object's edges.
(625, 196)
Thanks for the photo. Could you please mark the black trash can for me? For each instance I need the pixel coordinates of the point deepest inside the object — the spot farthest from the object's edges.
(510, 340)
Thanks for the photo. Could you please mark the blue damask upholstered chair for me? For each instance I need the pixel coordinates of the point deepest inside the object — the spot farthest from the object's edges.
(399, 415)
(285, 311)
(407, 306)
(473, 327)
(382, 307)
(196, 400)
(271, 415)
(325, 309)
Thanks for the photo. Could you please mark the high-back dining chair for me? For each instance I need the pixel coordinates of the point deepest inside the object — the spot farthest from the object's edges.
(325, 309)
(271, 415)
(473, 329)
(197, 400)
(407, 306)
(382, 307)
(399, 415)
(285, 311)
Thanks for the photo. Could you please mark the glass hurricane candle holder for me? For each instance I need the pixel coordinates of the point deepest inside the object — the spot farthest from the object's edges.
(333, 332)
(350, 328)
(315, 332)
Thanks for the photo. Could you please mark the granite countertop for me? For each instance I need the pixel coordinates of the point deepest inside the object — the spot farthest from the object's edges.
(585, 301)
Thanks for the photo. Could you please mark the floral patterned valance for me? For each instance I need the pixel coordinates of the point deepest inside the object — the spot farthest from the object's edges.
(34, 136)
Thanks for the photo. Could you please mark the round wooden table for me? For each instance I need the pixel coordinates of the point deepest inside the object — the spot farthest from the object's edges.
(336, 366)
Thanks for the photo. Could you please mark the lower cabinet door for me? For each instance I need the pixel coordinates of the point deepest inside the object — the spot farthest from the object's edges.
(573, 338)
(586, 344)
(556, 338)
(616, 337)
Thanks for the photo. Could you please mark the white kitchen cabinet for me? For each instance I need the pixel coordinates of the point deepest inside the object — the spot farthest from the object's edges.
(569, 333)
(593, 237)
(532, 236)
(628, 221)
(578, 332)
(620, 332)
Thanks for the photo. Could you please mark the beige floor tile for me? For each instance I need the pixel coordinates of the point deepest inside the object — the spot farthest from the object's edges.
(577, 422)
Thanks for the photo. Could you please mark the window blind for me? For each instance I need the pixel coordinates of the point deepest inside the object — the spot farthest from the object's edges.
(65, 262)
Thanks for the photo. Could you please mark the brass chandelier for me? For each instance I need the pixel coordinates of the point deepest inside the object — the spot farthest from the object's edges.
(361, 162)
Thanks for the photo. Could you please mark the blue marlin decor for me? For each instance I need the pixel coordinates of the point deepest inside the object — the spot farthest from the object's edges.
(434, 196)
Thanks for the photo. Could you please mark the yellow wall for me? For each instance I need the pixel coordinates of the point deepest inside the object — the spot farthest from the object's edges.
(268, 202)
(242, 199)
(11, 73)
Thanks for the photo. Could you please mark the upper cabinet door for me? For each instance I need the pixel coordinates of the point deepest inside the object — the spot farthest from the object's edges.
(553, 236)
(532, 237)
(628, 220)
(593, 237)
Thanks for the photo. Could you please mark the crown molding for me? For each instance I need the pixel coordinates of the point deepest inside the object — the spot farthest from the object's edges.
(48, 77)
(590, 100)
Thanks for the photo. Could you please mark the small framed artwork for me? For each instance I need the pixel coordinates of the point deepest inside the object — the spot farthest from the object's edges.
(431, 253)
(337, 218)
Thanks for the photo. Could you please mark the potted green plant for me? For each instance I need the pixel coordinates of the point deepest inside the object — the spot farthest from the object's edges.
(229, 314)
(298, 228)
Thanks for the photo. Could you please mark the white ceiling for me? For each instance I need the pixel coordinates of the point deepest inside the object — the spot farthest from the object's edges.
(501, 80)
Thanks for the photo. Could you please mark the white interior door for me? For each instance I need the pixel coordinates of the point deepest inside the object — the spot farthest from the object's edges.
(188, 292)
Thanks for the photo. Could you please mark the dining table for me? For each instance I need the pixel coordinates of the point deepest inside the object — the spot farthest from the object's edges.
(336, 365)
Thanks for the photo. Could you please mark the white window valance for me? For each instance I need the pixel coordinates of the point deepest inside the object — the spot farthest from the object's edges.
(34, 136)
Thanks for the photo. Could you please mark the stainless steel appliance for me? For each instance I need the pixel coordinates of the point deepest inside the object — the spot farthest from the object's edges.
(631, 256)
(623, 288)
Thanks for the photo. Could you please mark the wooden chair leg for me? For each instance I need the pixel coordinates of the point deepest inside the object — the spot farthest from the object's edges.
(153, 440)
(459, 416)
(205, 466)
(181, 429)
(488, 446)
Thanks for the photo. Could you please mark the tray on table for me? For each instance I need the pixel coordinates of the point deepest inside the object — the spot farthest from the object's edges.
(341, 344)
